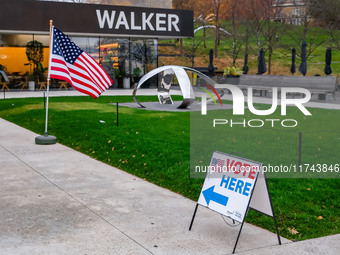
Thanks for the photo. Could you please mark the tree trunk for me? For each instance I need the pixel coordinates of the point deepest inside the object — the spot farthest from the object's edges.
(205, 44)
(270, 59)
(247, 39)
(234, 34)
(216, 41)
(270, 43)
(217, 10)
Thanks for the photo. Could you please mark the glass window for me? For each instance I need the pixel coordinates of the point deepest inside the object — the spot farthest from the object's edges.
(120, 57)
(88, 44)
(144, 54)
(111, 57)
(13, 56)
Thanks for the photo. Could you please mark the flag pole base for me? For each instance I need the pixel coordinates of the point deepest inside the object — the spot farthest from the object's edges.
(45, 139)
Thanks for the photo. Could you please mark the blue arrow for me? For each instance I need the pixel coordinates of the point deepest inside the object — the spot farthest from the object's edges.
(210, 195)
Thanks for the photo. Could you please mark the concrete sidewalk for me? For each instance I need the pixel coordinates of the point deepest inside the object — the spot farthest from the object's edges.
(55, 200)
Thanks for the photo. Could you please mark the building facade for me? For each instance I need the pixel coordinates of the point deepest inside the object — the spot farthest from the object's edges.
(122, 35)
(292, 11)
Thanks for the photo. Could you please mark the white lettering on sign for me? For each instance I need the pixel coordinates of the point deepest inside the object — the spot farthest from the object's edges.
(160, 21)
(106, 18)
(172, 22)
(151, 21)
(122, 21)
(146, 21)
(133, 25)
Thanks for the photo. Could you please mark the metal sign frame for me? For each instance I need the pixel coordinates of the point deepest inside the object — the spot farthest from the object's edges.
(248, 205)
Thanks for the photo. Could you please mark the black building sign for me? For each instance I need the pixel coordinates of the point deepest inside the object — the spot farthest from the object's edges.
(28, 16)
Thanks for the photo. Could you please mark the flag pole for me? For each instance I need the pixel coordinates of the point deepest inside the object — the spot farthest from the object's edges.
(47, 139)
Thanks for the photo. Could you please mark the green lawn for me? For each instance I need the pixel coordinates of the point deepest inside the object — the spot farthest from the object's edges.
(156, 146)
(276, 145)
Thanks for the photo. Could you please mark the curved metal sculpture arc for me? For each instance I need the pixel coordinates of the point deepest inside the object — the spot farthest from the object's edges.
(183, 80)
(211, 26)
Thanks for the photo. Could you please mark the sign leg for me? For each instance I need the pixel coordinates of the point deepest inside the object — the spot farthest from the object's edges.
(271, 205)
(277, 229)
(193, 217)
(238, 236)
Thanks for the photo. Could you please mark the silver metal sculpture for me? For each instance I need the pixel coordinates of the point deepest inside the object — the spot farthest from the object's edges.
(164, 89)
(211, 26)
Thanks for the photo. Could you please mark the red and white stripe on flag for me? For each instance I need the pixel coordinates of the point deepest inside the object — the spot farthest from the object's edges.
(82, 72)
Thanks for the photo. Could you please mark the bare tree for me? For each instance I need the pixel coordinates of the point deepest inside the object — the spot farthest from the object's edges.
(237, 21)
(273, 28)
(201, 21)
(303, 19)
(216, 8)
(327, 13)
(267, 28)
(258, 15)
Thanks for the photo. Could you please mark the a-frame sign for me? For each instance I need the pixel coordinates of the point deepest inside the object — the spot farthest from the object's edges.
(232, 186)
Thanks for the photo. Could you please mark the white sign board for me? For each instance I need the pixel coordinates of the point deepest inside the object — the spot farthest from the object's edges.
(261, 201)
(229, 184)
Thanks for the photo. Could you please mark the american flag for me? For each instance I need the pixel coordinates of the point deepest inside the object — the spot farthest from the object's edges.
(70, 63)
(217, 162)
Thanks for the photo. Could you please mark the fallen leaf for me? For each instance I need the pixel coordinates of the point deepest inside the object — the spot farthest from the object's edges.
(293, 231)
